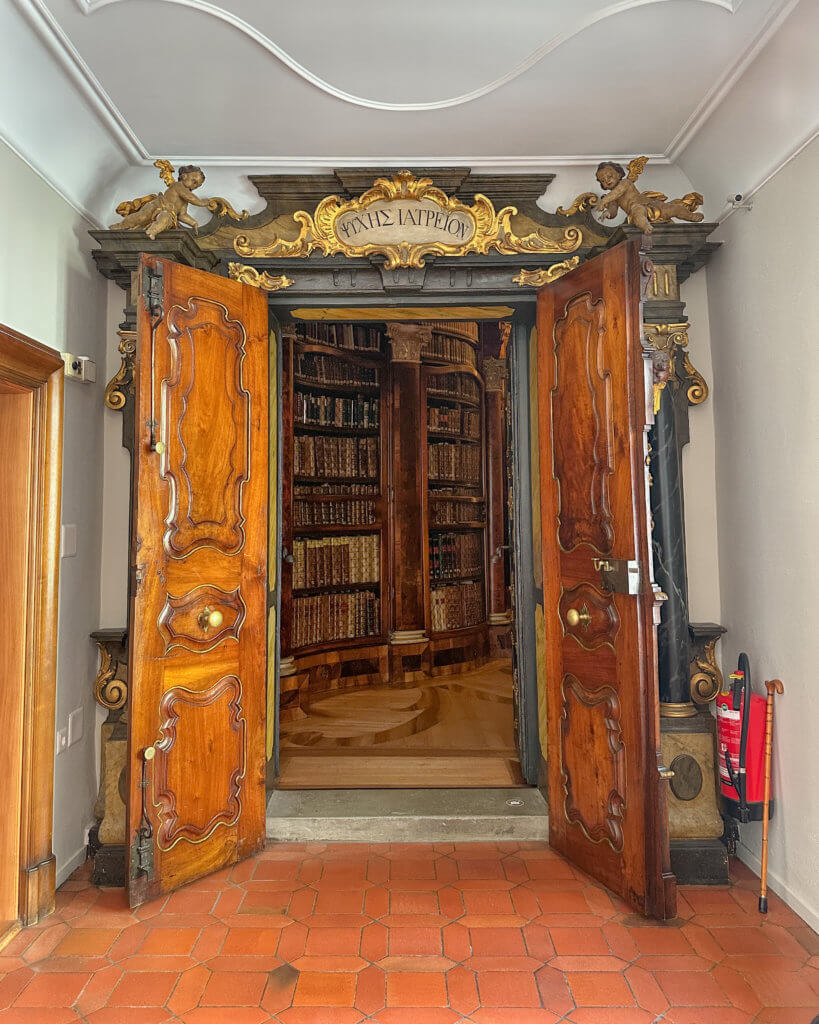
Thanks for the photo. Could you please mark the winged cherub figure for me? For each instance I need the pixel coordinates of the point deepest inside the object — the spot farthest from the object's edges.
(641, 208)
(157, 212)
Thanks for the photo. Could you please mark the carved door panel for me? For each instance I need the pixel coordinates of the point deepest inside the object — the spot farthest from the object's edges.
(196, 759)
(606, 798)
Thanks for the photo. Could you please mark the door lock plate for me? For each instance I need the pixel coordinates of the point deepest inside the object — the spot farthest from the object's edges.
(619, 575)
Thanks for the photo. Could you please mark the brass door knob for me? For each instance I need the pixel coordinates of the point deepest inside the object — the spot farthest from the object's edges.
(210, 618)
(578, 618)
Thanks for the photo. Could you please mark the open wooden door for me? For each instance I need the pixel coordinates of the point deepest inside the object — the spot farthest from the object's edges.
(607, 809)
(196, 752)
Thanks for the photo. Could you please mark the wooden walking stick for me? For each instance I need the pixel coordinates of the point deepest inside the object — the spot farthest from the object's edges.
(772, 686)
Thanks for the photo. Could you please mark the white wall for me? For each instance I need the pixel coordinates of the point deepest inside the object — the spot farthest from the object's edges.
(50, 290)
(764, 308)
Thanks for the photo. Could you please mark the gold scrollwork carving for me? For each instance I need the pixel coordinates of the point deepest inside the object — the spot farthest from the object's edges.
(490, 230)
(259, 279)
(109, 692)
(545, 275)
(583, 203)
(706, 677)
(672, 341)
(115, 389)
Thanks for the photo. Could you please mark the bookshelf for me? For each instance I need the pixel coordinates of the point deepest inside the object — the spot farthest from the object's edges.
(385, 504)
(456, 512)
(334, 524)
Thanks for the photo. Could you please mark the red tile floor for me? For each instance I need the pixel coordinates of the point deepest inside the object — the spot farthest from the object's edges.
(503, 933)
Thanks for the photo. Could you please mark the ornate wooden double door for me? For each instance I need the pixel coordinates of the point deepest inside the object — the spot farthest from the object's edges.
(196, 767)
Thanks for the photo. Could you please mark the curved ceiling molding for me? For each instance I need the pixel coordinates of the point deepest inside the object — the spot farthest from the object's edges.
(89, 7)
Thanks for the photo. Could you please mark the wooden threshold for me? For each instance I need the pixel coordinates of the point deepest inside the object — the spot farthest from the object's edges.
(331, 770)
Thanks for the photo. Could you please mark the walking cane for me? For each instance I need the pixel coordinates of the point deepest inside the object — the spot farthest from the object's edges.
(772, 686)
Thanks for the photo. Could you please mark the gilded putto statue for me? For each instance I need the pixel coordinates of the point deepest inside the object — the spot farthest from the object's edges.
(642, 209)
(160, 211)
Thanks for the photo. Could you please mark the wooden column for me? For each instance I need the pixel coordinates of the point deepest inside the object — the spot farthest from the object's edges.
(494, 372)
(409, 633)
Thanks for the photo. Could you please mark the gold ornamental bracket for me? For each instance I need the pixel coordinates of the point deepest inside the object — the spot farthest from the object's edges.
(404, 219)
(545, 275)
(671, 342)
(259, 279)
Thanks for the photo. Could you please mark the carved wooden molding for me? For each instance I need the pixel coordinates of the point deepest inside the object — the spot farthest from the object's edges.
(220, 523)
(584, 514)
(178, 621)
(601, 734)
(603, 623)
(177, 748)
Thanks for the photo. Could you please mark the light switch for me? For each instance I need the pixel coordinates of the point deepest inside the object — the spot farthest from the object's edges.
(74, 726)
(68, 540)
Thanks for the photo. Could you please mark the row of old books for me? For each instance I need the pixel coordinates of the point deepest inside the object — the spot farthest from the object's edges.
(331, 490)
(334, 513)
(336, 457)
(336, 561)
(333, 411)
(454, 385)
(455, 554)
(452, 419)
(465, 328)
(332, 370)
(448, 349)
(449, 512)
(359, 337)
(456, 606)
(455, 462)
(323, 618)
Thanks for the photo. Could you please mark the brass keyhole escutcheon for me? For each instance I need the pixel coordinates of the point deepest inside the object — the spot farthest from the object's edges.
(210, 618)
(578, 618)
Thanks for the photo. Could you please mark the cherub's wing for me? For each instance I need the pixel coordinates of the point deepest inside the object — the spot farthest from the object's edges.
(636, 167)
(165, 170)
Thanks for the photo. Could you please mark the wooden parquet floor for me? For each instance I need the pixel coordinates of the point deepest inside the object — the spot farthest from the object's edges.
(451, 731)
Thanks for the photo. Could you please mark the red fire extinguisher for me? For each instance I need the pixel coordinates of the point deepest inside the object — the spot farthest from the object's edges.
(741, 740)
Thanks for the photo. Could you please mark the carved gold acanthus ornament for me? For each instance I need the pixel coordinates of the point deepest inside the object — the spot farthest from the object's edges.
(115, 395)
(545, 275)
(109, 692)
(259, 279)
(706, 677)
(490, 230)
(672, 341)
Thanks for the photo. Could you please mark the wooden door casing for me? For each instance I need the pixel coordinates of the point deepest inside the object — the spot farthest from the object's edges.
(197, 697)
(606, 798)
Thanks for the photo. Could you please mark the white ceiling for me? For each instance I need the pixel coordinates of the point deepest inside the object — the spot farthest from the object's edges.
(275, 84)
(367, 79)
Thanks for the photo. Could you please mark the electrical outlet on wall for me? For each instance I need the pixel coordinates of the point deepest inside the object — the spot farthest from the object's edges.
(75, 722)
(62, 740)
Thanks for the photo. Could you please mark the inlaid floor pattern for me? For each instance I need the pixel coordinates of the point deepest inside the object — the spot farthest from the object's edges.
(450, 731)
(474, 933)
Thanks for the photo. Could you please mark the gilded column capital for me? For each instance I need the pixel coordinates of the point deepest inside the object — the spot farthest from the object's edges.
(494, 374)
(407, 341)
(670, 342)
